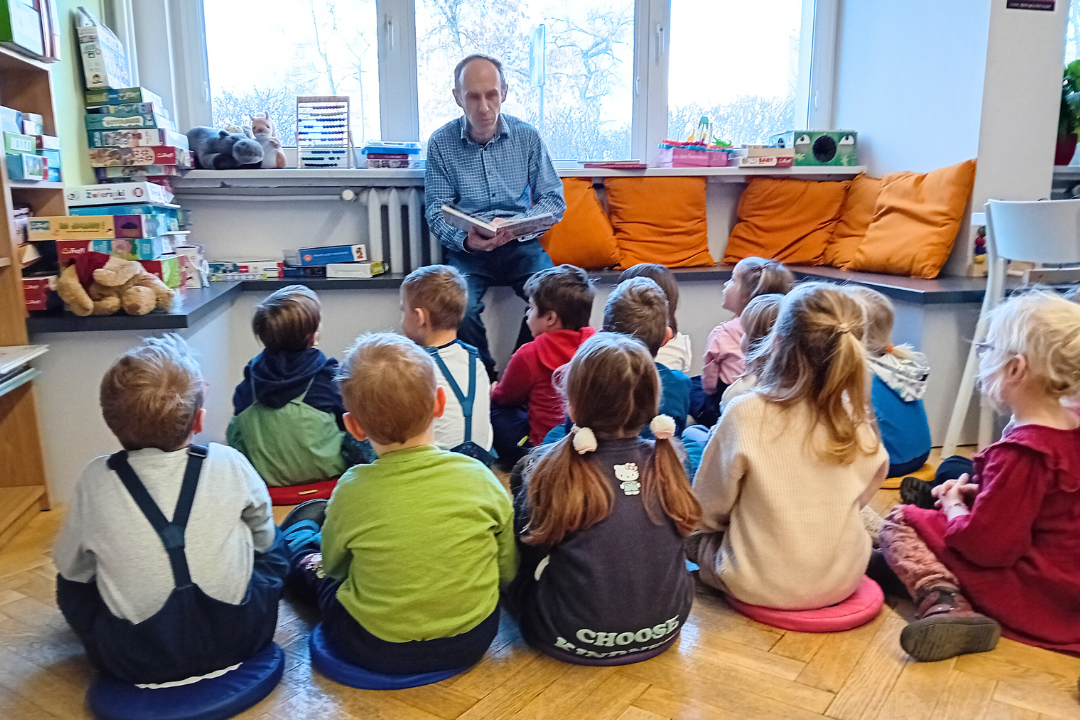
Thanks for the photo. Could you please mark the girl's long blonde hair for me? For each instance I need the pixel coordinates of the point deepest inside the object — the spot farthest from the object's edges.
(614, 390)
(757, 321)
(762, 276)
(818, 358)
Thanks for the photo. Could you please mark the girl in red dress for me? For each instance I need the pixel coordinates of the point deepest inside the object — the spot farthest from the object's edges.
(1000, 552)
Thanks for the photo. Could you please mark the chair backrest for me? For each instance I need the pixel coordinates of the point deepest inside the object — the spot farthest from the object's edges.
(1041, 231)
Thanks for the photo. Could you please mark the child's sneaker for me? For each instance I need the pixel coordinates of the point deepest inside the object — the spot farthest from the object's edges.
(914, 491)
(946, 627)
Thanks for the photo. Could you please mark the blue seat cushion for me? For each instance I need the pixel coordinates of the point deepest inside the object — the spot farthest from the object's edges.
(208, 699)
(329, 664)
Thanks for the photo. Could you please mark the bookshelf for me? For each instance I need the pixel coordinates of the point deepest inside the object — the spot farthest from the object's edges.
(25, 84)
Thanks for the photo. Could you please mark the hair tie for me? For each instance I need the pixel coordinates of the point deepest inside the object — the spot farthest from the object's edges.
(889, 348)
(584, 440)
(841, 329)
(662, 427)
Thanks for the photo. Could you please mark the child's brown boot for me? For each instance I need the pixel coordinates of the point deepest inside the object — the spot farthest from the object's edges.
(946, 626)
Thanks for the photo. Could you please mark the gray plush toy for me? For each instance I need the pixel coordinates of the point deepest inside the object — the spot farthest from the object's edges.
(220, 150)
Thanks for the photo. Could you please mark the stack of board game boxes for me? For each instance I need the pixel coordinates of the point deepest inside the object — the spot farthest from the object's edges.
(131, 137)
(29, 153)
(134, 221)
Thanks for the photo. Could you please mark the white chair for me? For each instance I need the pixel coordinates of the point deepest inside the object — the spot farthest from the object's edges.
(1040, 231)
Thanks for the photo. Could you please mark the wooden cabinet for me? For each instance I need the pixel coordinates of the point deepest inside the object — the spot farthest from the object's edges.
(25, 85)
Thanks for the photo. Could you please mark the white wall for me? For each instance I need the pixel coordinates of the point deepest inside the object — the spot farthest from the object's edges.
(910, 80)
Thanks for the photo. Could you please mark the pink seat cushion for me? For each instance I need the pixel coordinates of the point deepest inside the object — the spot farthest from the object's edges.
(296, 494)
(861, 607)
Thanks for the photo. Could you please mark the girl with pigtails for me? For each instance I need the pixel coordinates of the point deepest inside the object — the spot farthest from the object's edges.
(792, 463)
(602, 516)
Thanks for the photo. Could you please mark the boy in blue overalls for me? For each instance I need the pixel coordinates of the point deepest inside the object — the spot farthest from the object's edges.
(169, 563)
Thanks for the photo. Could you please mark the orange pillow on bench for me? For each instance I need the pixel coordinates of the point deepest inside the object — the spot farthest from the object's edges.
(584, 236)
(855, 218)
(786, 220)
(659, 220)
(915, 221)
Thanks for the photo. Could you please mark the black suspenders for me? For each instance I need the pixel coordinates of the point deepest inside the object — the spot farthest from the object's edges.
(170, 532)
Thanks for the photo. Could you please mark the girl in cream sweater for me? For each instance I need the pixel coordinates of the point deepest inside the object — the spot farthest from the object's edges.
(792, 463)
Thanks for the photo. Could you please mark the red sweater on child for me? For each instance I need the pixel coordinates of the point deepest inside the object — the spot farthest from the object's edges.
(527, 378)
(1017, 554)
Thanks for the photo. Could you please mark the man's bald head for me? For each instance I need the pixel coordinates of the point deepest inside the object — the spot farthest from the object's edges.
(479, 60)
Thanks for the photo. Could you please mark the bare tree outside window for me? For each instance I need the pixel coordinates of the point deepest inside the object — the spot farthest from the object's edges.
(285, 49)
(588, 53)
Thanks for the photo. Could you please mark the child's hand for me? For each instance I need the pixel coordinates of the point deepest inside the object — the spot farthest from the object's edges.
(948, 485)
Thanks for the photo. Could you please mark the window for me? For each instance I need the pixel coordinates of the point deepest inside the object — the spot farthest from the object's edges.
(600, 79)
(261, 55)
(737, 63)
(569, 64)
(1072, 33)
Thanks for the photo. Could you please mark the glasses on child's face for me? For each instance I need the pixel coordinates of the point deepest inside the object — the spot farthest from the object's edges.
(982, 348)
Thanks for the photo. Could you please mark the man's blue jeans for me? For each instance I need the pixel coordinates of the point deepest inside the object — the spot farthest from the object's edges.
(511, 264)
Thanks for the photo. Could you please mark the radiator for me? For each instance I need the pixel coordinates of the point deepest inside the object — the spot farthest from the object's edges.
(398, 234)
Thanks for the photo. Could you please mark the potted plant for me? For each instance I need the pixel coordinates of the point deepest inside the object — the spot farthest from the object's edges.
(1069, 117)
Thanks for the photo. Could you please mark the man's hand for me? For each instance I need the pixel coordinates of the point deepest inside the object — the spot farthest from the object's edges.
(477, 241)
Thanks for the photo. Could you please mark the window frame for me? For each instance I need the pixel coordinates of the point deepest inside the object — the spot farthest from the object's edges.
(398, 92)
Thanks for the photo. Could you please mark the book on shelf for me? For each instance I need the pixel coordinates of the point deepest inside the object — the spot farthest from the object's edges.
(614, 165)
(15, 356)
(518, 228)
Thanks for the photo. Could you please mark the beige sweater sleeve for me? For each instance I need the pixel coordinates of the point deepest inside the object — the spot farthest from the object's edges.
(720, 475)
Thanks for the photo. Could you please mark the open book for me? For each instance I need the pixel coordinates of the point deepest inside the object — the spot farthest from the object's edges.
(519, 228)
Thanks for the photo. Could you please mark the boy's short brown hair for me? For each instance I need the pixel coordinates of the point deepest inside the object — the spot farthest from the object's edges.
(565, 290)
(287, 319)
(440, 290)
(667, 282)
(151, 395)
(638, 307)
(388, 384)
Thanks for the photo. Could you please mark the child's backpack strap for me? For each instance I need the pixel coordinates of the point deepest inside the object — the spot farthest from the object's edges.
(465, 400)
(170, 532)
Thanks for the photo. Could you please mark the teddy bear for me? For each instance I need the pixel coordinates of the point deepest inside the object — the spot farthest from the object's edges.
(117, 284)
(263, 129)
(221, 150)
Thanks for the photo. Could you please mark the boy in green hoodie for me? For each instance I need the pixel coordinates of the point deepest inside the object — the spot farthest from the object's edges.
(386, 607)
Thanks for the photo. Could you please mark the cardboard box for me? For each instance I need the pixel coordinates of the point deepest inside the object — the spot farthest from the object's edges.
(835, 148)
(333, 254)
(20, 26)
(103, 58)
(136, 138)
(40, 293)
(33, 124)
(21, 166)
(766, 161)
(165, 216)
(360, 270)
(10, 120)
(129, 249)
(47, 142)
(119, 121)
(150, 173)
(244, 269)
(166, 268)
(139, 108)
(118, 194)
(120, 96)
(157, 155)
(19, 143)
(193, 265)
(91, 227)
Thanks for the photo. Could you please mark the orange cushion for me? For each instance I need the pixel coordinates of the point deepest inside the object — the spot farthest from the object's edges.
(915, 221)
(659, 220)
(786, 220)
(584, 236)
(850, 230)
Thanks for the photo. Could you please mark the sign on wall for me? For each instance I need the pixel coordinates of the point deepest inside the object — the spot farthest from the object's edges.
(1030, 5)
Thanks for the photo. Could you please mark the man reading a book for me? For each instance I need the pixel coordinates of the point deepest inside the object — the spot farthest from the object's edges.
(496, 168)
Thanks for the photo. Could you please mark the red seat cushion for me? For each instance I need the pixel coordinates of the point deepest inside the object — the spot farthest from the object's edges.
(860, 608)
(296, 494)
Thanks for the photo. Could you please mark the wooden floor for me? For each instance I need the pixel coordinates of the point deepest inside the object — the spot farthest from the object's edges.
(724, 666)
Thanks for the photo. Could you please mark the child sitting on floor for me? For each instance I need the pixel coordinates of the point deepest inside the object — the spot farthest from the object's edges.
(675, 353)
(524, 404)
(898, 387)
(792, 462)
(1004, 541)
(601, 519)
(433, 300)
(168, 563)
(287, 411)
(414, 545)
(757, 319)
(724, 357)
